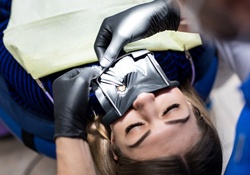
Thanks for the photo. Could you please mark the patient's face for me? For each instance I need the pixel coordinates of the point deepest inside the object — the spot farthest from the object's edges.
(157, 125)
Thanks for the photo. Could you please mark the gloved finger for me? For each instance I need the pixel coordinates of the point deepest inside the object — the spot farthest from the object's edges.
(103, 39)
(71, 74)
(100, 46)
(122, 52)
(89, 73)
(96, 71)
(113, 50)
(106, 63)
(66, 76)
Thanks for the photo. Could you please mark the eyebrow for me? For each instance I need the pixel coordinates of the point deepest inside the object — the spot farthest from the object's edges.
(140, 140)
(182, 120)
(144, 136)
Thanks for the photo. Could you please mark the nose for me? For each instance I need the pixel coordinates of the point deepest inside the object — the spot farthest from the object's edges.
(144, 100)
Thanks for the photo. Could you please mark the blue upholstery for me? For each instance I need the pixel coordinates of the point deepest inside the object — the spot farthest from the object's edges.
(34, 131)
(205, 84)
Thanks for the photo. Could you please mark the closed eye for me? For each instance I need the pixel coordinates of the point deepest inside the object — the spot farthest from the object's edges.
(132, 126)
(169, 108)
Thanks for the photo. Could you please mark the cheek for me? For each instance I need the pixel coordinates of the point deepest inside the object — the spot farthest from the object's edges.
(177, 95)
(116, 130)
(117, 137)
(114, 135)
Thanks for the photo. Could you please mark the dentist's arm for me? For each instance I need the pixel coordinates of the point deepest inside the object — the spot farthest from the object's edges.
(71, 95)
(73, 157)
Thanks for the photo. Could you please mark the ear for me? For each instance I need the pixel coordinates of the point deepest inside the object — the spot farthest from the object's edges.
(113, 144)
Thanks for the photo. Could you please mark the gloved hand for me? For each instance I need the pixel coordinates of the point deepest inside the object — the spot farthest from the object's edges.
(71, 95)
(133, 24)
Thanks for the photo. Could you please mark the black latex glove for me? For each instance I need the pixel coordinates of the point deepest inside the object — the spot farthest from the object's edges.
(71, 95)
(133, 24)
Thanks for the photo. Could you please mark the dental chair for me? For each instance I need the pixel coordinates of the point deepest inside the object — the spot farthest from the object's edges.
(37, 133)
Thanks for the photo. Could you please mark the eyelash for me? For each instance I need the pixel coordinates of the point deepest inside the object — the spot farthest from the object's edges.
(140, 123)
(132, 126)
(170, 108)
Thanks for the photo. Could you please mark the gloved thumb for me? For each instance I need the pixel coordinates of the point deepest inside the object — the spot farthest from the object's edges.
(113, 50)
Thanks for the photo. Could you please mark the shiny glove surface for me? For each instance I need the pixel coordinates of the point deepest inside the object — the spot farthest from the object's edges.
(133, 24)
(71, 95)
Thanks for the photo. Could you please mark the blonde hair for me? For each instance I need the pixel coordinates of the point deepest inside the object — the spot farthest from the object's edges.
(100, 146)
